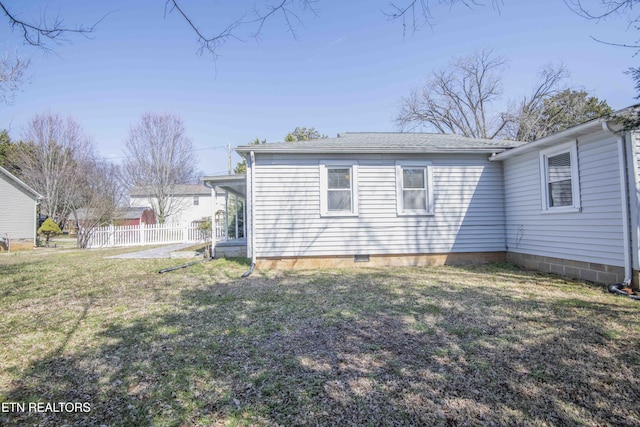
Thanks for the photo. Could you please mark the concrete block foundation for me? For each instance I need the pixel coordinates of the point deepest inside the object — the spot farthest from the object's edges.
(593, 272)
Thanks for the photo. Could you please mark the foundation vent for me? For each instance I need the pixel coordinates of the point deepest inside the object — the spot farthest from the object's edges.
(361, 258)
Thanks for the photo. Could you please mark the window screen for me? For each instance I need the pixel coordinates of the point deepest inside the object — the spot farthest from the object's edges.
(559, 180)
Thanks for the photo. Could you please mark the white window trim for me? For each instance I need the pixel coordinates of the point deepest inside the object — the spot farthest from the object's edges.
(399, 188)
(324, 208)
(572, 149)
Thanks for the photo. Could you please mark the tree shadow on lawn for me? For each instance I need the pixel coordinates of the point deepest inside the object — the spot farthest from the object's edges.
(358, 348)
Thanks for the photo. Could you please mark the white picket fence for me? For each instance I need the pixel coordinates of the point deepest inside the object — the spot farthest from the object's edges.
(147, 234)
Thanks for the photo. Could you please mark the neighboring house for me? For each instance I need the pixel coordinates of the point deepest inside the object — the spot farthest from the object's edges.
(134, 216)
(123, 216)
(190, 202)
(18, 212)
(566, 204)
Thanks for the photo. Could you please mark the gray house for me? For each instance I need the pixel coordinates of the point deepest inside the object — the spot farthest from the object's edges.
(572, 205)
(568, 203)
(18, 212)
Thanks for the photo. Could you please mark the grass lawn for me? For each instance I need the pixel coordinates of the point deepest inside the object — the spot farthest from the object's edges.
(488, 345)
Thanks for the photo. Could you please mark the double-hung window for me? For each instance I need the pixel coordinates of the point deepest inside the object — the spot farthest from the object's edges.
(338, 188)
(559, 178)
(414, 192)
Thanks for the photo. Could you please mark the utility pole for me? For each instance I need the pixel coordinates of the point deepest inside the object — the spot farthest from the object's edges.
(229, 156)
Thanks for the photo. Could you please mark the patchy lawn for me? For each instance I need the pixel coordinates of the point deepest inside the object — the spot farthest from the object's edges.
(486, 345)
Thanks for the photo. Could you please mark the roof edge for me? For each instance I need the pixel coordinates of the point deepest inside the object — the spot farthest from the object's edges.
(20, 183)
(563, 135)
(245, 149)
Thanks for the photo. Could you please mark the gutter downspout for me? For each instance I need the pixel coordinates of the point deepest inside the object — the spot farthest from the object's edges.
(252, 221)
(212, 251)
(35, 231)
(624, 185)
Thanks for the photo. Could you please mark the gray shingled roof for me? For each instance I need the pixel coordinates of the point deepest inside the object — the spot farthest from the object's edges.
(178, 190)
(374, 142)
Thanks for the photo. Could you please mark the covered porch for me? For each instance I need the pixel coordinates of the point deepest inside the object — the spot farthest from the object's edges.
(229, 224)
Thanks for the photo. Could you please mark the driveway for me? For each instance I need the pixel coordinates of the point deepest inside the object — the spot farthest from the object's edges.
(162, 252)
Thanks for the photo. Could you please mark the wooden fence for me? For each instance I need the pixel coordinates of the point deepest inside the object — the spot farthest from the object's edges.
(147, 234)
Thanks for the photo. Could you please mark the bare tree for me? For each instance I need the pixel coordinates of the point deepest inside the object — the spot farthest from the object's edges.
(464, 98)
(12, 77)
(159, 156)
(459, 98)
(48, 161)
(100, 197)
(527, 121)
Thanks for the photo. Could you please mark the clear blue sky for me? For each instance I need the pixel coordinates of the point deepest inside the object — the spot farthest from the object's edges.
(346, 71)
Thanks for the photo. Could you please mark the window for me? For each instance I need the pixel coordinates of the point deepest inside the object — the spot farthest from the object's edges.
(559, 178)
(414, 195)
(196, 200)
(338, 188)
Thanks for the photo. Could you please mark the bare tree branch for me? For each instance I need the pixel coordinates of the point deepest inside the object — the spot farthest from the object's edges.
(12, 77)
(289, 10)
(609, 9)
(37, 34)
(415, 14)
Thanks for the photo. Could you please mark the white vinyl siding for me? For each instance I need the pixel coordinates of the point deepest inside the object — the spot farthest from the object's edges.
(467, 203)
(18, 213)
(185, 208)
(414, 192)
(591, 234)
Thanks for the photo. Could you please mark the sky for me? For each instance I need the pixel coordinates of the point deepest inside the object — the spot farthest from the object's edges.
(345, 69)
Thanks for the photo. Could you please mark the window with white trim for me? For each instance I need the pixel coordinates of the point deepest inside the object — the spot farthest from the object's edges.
(338, 188)
(414, 192)
(559, 178)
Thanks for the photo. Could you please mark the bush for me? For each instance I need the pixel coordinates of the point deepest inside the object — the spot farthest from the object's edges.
(49, 229)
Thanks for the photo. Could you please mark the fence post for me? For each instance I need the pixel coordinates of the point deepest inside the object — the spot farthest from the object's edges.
(185, 232)
(142, 240)
(112, 232)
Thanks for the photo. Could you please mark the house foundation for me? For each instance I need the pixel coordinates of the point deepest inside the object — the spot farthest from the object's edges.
(364, 260)
(593, 272)
(16, 245)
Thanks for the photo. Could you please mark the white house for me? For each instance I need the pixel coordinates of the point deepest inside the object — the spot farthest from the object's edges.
(189, 202)
(572, 204)
(18, 212)
(375, 198)
(568, 203)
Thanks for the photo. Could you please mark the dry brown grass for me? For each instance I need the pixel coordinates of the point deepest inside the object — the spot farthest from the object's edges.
(486, 345)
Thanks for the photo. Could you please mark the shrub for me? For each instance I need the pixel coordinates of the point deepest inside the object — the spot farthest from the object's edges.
(49, 229)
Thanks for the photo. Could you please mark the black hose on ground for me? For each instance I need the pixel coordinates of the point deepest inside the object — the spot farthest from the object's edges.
(617, 289)
(248, 272)
(177, 267)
